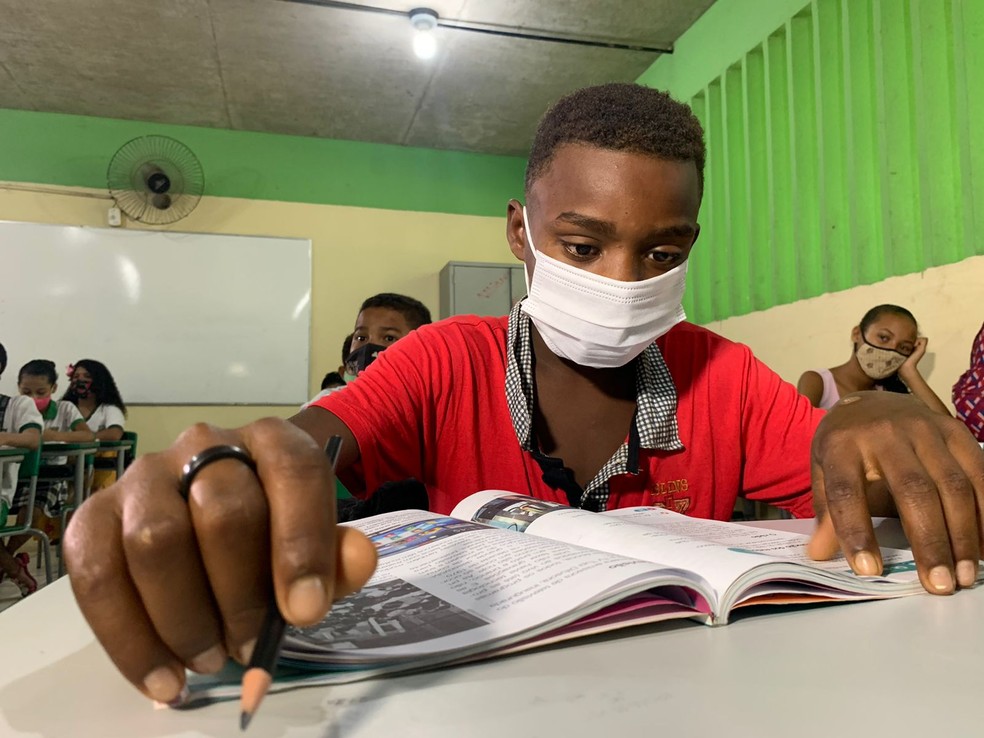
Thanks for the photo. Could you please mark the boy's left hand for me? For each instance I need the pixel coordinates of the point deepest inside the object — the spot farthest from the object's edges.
(881, 453)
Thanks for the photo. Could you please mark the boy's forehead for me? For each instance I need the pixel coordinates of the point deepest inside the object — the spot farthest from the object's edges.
(580, 175)
(381, 317)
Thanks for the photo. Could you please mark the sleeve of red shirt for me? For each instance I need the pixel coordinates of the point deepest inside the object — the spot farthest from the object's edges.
(385, 410)
(778, 425)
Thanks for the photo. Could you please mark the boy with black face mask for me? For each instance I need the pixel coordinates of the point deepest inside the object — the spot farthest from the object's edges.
(383, 320)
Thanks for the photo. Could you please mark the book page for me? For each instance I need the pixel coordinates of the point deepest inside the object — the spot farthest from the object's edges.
(722, 553)
(776, 544)
(443, 585)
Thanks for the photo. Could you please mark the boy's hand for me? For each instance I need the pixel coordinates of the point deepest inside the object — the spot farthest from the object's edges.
(168, 584)
(881, 453)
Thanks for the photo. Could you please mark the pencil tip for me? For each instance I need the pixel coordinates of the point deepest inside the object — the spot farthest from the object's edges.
(244, 718)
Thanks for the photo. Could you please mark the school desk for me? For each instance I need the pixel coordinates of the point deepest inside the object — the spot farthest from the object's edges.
(73, 451)
(906, 668)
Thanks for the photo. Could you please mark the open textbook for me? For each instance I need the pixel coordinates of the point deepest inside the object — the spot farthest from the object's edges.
(505, 572)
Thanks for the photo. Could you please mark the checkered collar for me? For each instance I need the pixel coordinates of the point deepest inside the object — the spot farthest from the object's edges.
(656, 403)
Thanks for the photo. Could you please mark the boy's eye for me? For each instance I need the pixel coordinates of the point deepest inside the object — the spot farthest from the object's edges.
(579, 250)
(664, 257)
(389, 339)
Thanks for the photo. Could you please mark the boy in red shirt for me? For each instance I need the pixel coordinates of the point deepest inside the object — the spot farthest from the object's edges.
(593, 391)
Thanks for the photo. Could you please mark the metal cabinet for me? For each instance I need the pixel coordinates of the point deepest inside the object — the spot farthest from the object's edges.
(471, 288)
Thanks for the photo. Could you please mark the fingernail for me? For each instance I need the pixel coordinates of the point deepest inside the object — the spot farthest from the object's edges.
(865, 565)
(246, 651)
(966, 573)
(181, 698)
(163, 685)
(940, 579)
(306, 600)
(208, 662)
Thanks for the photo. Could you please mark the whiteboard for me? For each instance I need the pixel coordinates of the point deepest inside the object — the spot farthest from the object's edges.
(179, 318)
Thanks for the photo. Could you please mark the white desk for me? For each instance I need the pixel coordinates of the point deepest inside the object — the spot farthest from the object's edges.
(901, 668)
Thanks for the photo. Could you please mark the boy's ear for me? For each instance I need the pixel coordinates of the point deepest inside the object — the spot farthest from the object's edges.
(516, 229)
(856, 335)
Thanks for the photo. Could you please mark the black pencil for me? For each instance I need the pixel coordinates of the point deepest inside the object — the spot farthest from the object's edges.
(263, 662)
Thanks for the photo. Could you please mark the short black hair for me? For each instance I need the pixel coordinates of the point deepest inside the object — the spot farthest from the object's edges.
(413, 310)
(345, 347)
(3, 358)
(332, 379)
(619, 116)
(39, 368)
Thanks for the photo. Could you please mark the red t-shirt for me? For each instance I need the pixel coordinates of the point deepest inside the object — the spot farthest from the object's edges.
(433, 407)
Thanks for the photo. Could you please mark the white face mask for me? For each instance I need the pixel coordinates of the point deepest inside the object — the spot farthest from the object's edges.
(598, 321)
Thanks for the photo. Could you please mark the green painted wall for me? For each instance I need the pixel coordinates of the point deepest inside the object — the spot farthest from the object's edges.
(74, 150)
(844, 144)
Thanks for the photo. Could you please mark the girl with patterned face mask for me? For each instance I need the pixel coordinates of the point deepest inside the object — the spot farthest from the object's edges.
(886, 352)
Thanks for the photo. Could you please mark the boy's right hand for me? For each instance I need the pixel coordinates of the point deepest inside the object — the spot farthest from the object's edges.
(167, 584)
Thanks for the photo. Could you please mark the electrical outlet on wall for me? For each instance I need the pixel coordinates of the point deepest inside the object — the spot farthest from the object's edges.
(114, 217)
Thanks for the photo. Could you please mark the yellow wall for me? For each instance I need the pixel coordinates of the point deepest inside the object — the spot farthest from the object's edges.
(948, 302)
(356, 252)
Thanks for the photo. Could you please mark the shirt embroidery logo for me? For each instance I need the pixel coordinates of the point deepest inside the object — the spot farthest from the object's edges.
(668, 495)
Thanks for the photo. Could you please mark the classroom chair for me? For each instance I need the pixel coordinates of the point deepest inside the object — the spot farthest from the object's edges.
(29, 471)
(131, 453)
(109, 463)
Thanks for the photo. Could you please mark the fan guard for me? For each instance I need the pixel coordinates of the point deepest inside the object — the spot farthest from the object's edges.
(156, 179)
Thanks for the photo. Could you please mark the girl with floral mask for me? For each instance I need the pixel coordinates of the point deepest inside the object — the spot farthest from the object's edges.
(887, 350)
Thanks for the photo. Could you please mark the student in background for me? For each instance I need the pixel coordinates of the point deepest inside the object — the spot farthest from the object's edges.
(332, 381)
(38, 380)
(593, 392)
(93, 391)
(383, 320)
(968, 392)
(886, 355)
(20, 427)
(62, 421)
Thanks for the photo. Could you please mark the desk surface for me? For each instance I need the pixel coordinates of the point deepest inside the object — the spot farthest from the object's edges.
(906, 667)
(122, 443)
(61, 447)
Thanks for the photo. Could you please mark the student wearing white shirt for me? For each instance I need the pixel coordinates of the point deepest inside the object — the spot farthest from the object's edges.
(94, 392)
(62, 421)
(20, 426)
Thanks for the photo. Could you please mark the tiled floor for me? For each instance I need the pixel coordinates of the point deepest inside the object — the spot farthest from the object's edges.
(10, 594)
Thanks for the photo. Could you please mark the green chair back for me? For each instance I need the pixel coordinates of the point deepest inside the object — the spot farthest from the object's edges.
(131, 454)
(31, 464)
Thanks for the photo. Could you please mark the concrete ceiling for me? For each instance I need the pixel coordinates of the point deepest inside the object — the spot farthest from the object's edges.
(284, 67)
